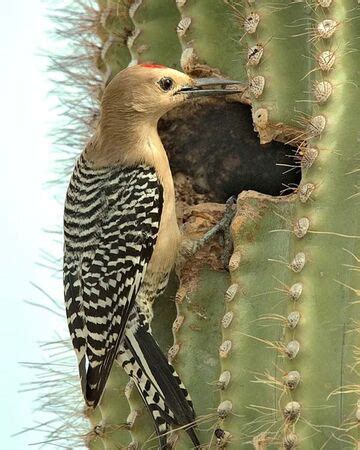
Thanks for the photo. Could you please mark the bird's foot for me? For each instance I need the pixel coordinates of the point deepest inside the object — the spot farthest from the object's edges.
(190, 247)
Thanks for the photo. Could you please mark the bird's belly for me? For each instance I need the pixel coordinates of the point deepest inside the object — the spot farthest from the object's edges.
(161, 262)
(153, 285)
(168, 241)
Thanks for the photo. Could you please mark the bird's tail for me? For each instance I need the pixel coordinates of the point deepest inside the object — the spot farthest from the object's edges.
(158, 383)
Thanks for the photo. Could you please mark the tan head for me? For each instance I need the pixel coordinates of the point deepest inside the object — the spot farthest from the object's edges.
(148, 90)
(134, 101)
(151, 90)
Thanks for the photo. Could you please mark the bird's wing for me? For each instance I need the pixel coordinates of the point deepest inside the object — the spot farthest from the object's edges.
(109, 240)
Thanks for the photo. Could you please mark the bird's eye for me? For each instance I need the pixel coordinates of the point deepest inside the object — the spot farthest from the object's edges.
(166, 83)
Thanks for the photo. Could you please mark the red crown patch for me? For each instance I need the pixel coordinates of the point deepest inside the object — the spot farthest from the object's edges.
(151, 65)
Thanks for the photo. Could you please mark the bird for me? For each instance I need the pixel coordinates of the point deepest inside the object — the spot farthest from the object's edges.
(121, 240)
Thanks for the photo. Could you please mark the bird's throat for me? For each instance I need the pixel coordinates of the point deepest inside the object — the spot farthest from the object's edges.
(127, 143)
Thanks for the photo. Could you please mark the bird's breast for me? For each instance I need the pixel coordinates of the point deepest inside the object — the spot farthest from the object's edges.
(168, 240)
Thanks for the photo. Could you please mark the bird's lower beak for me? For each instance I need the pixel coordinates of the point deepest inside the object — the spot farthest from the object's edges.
(205, 87)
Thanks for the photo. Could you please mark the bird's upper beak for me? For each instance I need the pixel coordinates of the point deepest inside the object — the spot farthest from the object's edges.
(204, 87)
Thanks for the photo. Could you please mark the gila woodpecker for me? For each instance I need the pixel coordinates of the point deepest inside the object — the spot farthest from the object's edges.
(122, 238)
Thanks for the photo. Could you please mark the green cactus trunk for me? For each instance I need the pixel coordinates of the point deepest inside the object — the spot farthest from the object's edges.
(270, 351)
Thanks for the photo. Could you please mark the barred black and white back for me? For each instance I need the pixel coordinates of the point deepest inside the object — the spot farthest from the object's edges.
(111, 223)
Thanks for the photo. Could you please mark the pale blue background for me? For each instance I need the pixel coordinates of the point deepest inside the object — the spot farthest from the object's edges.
(26, 117)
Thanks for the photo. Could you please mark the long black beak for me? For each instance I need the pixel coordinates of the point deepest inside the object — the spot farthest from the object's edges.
(201, 88)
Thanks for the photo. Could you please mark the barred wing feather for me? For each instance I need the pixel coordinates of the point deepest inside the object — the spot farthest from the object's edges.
(111, 222)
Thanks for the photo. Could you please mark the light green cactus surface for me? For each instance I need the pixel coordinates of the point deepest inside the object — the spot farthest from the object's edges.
(269, 351)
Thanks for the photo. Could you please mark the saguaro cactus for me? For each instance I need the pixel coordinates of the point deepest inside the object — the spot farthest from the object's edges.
(270, 350)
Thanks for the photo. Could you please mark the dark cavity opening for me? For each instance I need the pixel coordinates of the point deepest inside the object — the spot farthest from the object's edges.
(214, 153)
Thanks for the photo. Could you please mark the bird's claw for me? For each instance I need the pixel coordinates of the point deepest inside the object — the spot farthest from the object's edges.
(190, 247)
(230, 211)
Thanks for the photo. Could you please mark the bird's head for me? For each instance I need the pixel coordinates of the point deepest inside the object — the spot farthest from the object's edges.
(151, 90)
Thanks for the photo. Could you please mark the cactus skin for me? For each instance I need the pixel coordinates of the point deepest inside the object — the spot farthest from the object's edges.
(259, 269)
(298, 98)
(117, 25)
(112, 431)
(332, 242)
(320, 224)
(154, 27)
(201, 31)
(199, 308)
(277, 65)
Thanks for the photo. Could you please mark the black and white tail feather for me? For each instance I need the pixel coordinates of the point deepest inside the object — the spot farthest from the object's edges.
(111, 222)
(158, 383)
